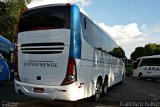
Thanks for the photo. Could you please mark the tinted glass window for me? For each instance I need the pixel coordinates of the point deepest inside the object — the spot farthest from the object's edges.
(135, 64)
(4, 47)
(150, 62)
(45, 18)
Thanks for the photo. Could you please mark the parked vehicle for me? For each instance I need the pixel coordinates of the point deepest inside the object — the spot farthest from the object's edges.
(6, 66)
(147, 67)
(62, 54)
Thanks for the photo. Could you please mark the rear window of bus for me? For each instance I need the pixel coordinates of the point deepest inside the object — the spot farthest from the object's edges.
(54, 17)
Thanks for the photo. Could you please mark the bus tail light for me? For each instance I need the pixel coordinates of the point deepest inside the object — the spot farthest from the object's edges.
(69, 4)
(71, 75)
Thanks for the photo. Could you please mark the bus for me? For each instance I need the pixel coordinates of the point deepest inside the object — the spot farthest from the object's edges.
(6, 66)
(147, 67)
(62, 54)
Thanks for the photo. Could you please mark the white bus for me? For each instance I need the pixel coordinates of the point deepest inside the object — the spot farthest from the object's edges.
(62, 54)
(147, 67)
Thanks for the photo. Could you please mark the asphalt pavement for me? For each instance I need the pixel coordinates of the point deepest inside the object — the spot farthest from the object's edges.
(132, 93)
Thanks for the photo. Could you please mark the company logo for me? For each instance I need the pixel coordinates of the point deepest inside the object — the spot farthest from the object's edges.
(34, 63)
(152, 68)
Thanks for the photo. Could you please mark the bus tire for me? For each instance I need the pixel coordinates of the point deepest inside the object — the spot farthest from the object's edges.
(105, 87)
(140, 76)
(98, 90)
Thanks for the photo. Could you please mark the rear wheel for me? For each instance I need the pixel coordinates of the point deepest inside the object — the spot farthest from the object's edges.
(105, 87)
(98, 91)
(140, 76)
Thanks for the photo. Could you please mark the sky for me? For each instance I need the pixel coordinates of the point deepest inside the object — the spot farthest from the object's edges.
(132, 23)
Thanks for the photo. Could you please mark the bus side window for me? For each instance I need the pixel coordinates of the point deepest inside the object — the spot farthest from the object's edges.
(135, 64)
(1, 68)
(144, 62)
(0, 64)
(157, 62)
(95, 62)
(150, 62)
(85, 23)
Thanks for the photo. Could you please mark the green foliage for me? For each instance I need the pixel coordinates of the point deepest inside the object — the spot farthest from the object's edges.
(152, 49)
(9, 14)
(128, 69)
(147, 50)
(118, 52)
(139, 51)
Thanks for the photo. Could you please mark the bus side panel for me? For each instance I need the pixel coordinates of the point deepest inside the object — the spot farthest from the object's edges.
(86, 78)
(148, 71)
(158, 73)
(90, 42)
(85, 73)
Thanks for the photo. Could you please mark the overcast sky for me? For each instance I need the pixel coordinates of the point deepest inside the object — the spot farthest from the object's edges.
(131, 23)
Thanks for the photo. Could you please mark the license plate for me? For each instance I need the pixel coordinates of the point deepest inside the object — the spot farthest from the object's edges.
(38, 90)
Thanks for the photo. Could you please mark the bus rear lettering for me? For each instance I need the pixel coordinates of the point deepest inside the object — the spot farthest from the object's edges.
(40, 64)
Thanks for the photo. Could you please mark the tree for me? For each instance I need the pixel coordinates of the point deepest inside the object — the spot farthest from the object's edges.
(118, 52)
(139, 51)
(157, 51)
(151, 49)
(147, 50)
(10, 11)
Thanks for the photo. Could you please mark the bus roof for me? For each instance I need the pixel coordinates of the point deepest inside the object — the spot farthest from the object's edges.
(153, 56)
(48, 5)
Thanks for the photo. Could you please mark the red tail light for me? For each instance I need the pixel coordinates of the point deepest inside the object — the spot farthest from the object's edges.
(68, 4)
(71, 75)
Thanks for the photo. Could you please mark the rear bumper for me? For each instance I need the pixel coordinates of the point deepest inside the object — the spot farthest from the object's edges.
(152, 77)
(68, 92)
